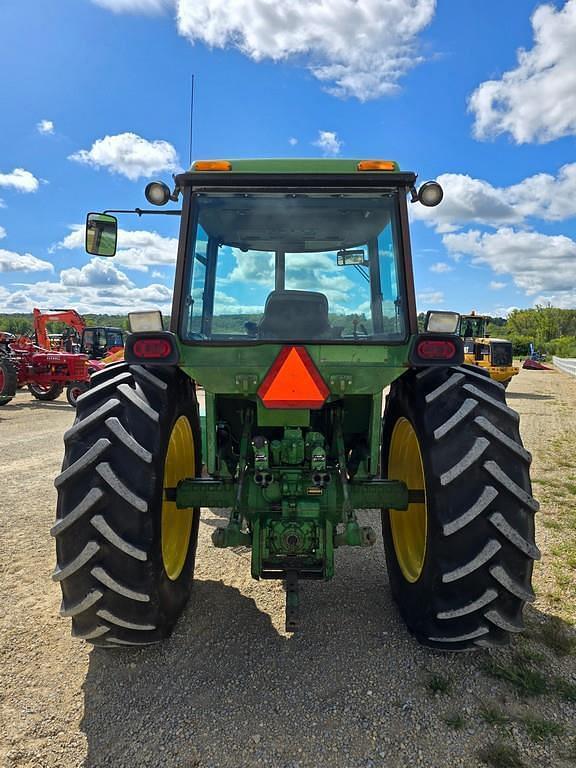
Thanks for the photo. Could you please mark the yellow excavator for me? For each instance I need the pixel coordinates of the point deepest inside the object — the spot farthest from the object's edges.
(494, 355)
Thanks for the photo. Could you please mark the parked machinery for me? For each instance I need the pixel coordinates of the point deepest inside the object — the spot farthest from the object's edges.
(492, 355)
(47, 368)
(95, 341)
(294, 308)
(45, 372)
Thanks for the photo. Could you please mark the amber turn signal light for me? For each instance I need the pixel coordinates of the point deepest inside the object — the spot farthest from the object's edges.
(377, 165)
(212, 165)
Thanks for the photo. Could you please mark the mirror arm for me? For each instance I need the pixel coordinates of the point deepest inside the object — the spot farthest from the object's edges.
(141, 212)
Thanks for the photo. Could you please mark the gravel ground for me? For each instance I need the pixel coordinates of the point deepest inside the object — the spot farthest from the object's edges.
(230, 688)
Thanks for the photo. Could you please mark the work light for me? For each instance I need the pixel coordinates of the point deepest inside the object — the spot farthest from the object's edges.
(157, 193)
(430, 194)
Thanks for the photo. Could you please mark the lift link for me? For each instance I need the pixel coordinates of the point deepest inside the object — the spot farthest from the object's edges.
(233, 535)
(353, 535)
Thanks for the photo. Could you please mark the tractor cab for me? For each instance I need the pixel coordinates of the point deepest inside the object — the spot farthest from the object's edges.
(284, 266)
(100, 341)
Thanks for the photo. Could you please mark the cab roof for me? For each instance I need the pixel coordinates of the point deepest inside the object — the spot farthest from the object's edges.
(294, 165)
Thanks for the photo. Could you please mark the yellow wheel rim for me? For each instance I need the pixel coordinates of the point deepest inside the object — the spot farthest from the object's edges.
(409, 527)
(177, 523)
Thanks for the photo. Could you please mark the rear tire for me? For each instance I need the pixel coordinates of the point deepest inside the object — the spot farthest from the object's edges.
(45, 394)
(476, 560)
(8, 380)
(118, 584)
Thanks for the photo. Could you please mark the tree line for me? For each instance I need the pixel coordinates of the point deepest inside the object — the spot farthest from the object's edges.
(21, 324)
(549, 329)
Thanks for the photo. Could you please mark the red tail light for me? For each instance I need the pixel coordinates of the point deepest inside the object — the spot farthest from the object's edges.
(436, 349)
(152, 348)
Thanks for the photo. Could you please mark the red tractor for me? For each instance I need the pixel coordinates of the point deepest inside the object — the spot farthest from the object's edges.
(44, 371)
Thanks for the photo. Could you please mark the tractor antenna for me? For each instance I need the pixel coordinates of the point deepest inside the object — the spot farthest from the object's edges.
(191, 116)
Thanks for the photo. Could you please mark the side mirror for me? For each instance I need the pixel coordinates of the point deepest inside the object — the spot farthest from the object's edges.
(101, 234)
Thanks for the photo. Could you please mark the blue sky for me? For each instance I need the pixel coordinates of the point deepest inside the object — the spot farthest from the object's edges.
(94, 102)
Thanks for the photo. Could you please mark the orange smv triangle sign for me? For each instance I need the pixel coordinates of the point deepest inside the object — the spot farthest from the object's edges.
(293, 381)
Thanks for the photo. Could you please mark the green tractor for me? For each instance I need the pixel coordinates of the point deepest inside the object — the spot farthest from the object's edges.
(293, 310)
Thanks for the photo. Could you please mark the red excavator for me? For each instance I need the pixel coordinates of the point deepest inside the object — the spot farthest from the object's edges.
(95, 341)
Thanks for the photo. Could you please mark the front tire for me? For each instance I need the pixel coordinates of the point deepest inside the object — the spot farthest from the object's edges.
(125, 555)
(45, 393)
(74, 390)
(460, 563)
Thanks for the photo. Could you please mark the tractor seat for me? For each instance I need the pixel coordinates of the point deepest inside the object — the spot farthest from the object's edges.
(295, 315)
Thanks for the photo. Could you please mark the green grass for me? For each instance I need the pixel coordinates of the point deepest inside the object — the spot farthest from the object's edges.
(493, 715)
(555, 635)
(527, 656)
(552, 524)
(540, 730)
(438, 684)
(519, 673)
(564, 689)
(455, 720)
(501, 755)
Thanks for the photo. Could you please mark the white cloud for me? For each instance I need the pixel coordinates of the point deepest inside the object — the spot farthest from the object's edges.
(137, 249)
(304, 272)
(130, 155)
(476, 201)
(441, 267)
(496, 286)
(2, 233)
(135, 6)
(20, 180)
(252, 267)
(45, 127)
(536, 102)
(292, 141)
(539, 264)
(564, 300)
(96, 287)
(328, 142)
(10, 261)
(358, 48)
(544, 196)
(75, 239)
(429, 299)
(97, 273)
(229, 305)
